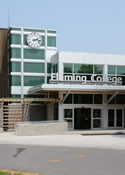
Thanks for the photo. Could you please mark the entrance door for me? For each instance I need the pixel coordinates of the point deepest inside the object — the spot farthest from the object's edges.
(82, 118)
(115, 117)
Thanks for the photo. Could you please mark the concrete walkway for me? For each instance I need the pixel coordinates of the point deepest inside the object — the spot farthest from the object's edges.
(71, 140)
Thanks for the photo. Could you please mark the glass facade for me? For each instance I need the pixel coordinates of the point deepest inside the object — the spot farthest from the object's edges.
(16, 67)
(15, 53)
(49, 68)
(34, 54)
(15, 80)
(34, 67)
(51, 41)
(15, 39)
(33, 80)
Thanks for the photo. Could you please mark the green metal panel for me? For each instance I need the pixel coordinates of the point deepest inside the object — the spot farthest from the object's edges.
(34, 30)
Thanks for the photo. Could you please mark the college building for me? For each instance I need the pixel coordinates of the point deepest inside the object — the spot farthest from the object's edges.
(85, 89)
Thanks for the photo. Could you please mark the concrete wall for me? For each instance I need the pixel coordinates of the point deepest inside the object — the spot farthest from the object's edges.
(50, 111)
(41, 128)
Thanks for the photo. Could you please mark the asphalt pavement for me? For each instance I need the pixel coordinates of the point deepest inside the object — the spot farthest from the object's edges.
(62, 160)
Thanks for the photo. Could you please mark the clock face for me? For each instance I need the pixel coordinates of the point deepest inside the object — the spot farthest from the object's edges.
(34, 40)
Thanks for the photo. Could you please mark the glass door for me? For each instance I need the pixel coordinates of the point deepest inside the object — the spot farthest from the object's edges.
(115, 118)
(97, 118)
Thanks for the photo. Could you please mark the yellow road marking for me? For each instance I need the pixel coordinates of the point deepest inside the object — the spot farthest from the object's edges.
(80, 155)
(57, 160)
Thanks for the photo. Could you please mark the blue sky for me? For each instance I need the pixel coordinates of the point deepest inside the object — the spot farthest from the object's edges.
(94, 26)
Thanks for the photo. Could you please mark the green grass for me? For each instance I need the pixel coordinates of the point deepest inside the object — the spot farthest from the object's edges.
(8, 172)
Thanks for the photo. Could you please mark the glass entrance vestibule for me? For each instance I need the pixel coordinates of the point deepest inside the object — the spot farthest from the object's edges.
(81, 118)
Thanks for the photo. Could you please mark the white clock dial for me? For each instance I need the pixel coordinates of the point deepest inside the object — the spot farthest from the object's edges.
(34, 40)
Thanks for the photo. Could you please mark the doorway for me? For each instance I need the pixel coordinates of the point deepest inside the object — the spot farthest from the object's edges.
(82, 118)
(115, 118)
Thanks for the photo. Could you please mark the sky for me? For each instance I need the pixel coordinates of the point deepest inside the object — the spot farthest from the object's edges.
(93, 26)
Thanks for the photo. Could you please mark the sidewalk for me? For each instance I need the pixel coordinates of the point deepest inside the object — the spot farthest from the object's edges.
(69, 140)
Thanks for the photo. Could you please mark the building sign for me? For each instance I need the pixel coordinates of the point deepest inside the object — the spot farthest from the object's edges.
(83, 79)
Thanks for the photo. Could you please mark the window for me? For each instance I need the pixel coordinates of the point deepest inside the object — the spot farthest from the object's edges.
(98, 98)
(34, 54)
(83, 98)
(34, 30)
(51, 31)
(98, 69)
(55, 68)
(51, 41)
(68, 68)
(111, 70)
(68, 113)
(49, 68)
(15, 39)
(82, 68)
(33, 80)
(34, 67)
(15, 67)
(15, 53)
(120, 70)
(15, 80)
(68, 100)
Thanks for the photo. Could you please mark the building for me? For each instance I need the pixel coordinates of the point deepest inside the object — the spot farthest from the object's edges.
(91, 87)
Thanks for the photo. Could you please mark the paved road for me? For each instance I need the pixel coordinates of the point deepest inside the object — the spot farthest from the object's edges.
(62, 160)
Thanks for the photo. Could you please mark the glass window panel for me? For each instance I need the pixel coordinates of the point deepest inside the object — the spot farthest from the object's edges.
(34, 54)
(111, 118)
(49, 68)
(83, 98)
(82, 68)
(48, 78)
(34, 30)
(98, 98)
(119, 117)
(51, 31)
(97, 113)
(121, 70)
(68, 100)
(98, 69)
(25, 40)
(111, 69)
(96, 123)
(67, 113)
(34, 67)
(68, 68)
(120, 99)
(113, 101)
(15, 39)
(15, 53)
(15, 67)
(15, 80)
(15, 96)
(16, 29)
(51, 41)
(55, 68)
(33, 80)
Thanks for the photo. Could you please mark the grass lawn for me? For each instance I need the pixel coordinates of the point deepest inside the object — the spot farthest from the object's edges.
(11, 172)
